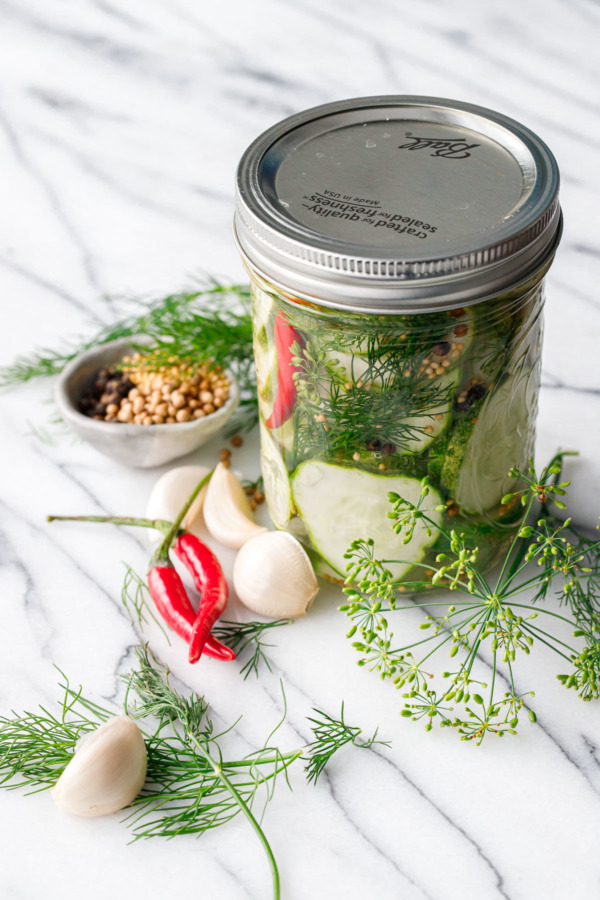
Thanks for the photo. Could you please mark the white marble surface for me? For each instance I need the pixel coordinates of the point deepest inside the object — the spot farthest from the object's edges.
(120, 127)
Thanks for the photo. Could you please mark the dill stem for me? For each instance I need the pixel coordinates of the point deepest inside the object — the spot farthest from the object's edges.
(468, 664)
(493, 678)
(512, 678)
(243, 807)
(264, 761)
(427, 603)
(507, 559)
(448, 637)
(541, 609)
(517, 567)
(529, 628)
(481, 581)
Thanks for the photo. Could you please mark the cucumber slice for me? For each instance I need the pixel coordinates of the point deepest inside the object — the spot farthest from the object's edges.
(297, 529)
(350, 368)
(324, 570)
(339, 504)
(427, 427)
(501, 436)
(265, 363)
(275, 478)
(262, 307)
(445, 465)
(284, 435)
(435, 423)
(265, 355)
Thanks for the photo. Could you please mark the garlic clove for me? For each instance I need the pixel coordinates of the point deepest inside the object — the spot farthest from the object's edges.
(107, 771)
(227, 512)
(170, 493)
(273, 576)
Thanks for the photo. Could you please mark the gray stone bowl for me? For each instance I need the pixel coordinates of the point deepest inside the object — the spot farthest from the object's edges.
(141, 446)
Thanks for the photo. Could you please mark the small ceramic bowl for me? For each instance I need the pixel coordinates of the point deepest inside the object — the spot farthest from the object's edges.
(142, 446)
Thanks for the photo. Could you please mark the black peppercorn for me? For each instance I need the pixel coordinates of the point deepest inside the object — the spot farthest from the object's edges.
(441, 349)
(475, 393)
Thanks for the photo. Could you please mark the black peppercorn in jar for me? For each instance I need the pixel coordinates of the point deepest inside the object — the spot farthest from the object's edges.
(397, 248)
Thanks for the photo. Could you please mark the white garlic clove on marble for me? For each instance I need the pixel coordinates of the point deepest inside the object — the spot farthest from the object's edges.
(170, 493)
(274, 577)
(227, 512)
(107, 771)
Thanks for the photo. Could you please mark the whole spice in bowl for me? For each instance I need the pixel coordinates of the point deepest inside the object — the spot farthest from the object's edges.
(110, 394)
(169, 394)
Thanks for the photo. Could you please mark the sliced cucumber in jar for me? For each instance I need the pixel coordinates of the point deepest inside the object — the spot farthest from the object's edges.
(323, 570)
(406, 435)
(428, 427)
(350, 368)
(499, 438)
(275, 478)
(340, 504)
(409, 436)
(265, 363)
(282, 436)
(262, 307)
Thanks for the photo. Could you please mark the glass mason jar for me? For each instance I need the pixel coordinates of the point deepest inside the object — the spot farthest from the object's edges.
(397, 248)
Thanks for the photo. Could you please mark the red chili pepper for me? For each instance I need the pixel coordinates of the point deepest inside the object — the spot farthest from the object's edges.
(174, 605)
(212, 584)
(285, 337)
(167, 588)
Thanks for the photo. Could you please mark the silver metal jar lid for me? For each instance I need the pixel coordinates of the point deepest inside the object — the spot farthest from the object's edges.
(397, 204)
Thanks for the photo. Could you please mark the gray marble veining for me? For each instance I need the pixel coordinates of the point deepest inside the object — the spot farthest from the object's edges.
(120, 128)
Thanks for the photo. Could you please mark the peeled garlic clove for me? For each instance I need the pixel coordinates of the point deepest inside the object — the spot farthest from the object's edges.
(273, 576)
(107, 771)
(170, 493)
(227, 512)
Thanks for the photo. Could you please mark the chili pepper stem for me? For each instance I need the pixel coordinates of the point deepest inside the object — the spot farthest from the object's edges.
(161, 525)
(161, 557)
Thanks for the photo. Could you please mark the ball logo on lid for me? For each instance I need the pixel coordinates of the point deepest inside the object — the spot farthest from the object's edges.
(448, 148)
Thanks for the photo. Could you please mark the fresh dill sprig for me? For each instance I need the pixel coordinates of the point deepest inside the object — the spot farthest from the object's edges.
(248, 635)
(191, 785)
(35, 747)
(386, 402)
(330, 736)
(489, 614)
(211, 323)
(368, 383)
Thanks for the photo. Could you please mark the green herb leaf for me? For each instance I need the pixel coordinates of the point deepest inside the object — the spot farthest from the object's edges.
(211, 323)
(330, 735)
(492, 616)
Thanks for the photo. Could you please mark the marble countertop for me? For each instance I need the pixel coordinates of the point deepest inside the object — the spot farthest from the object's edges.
(120, 128)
